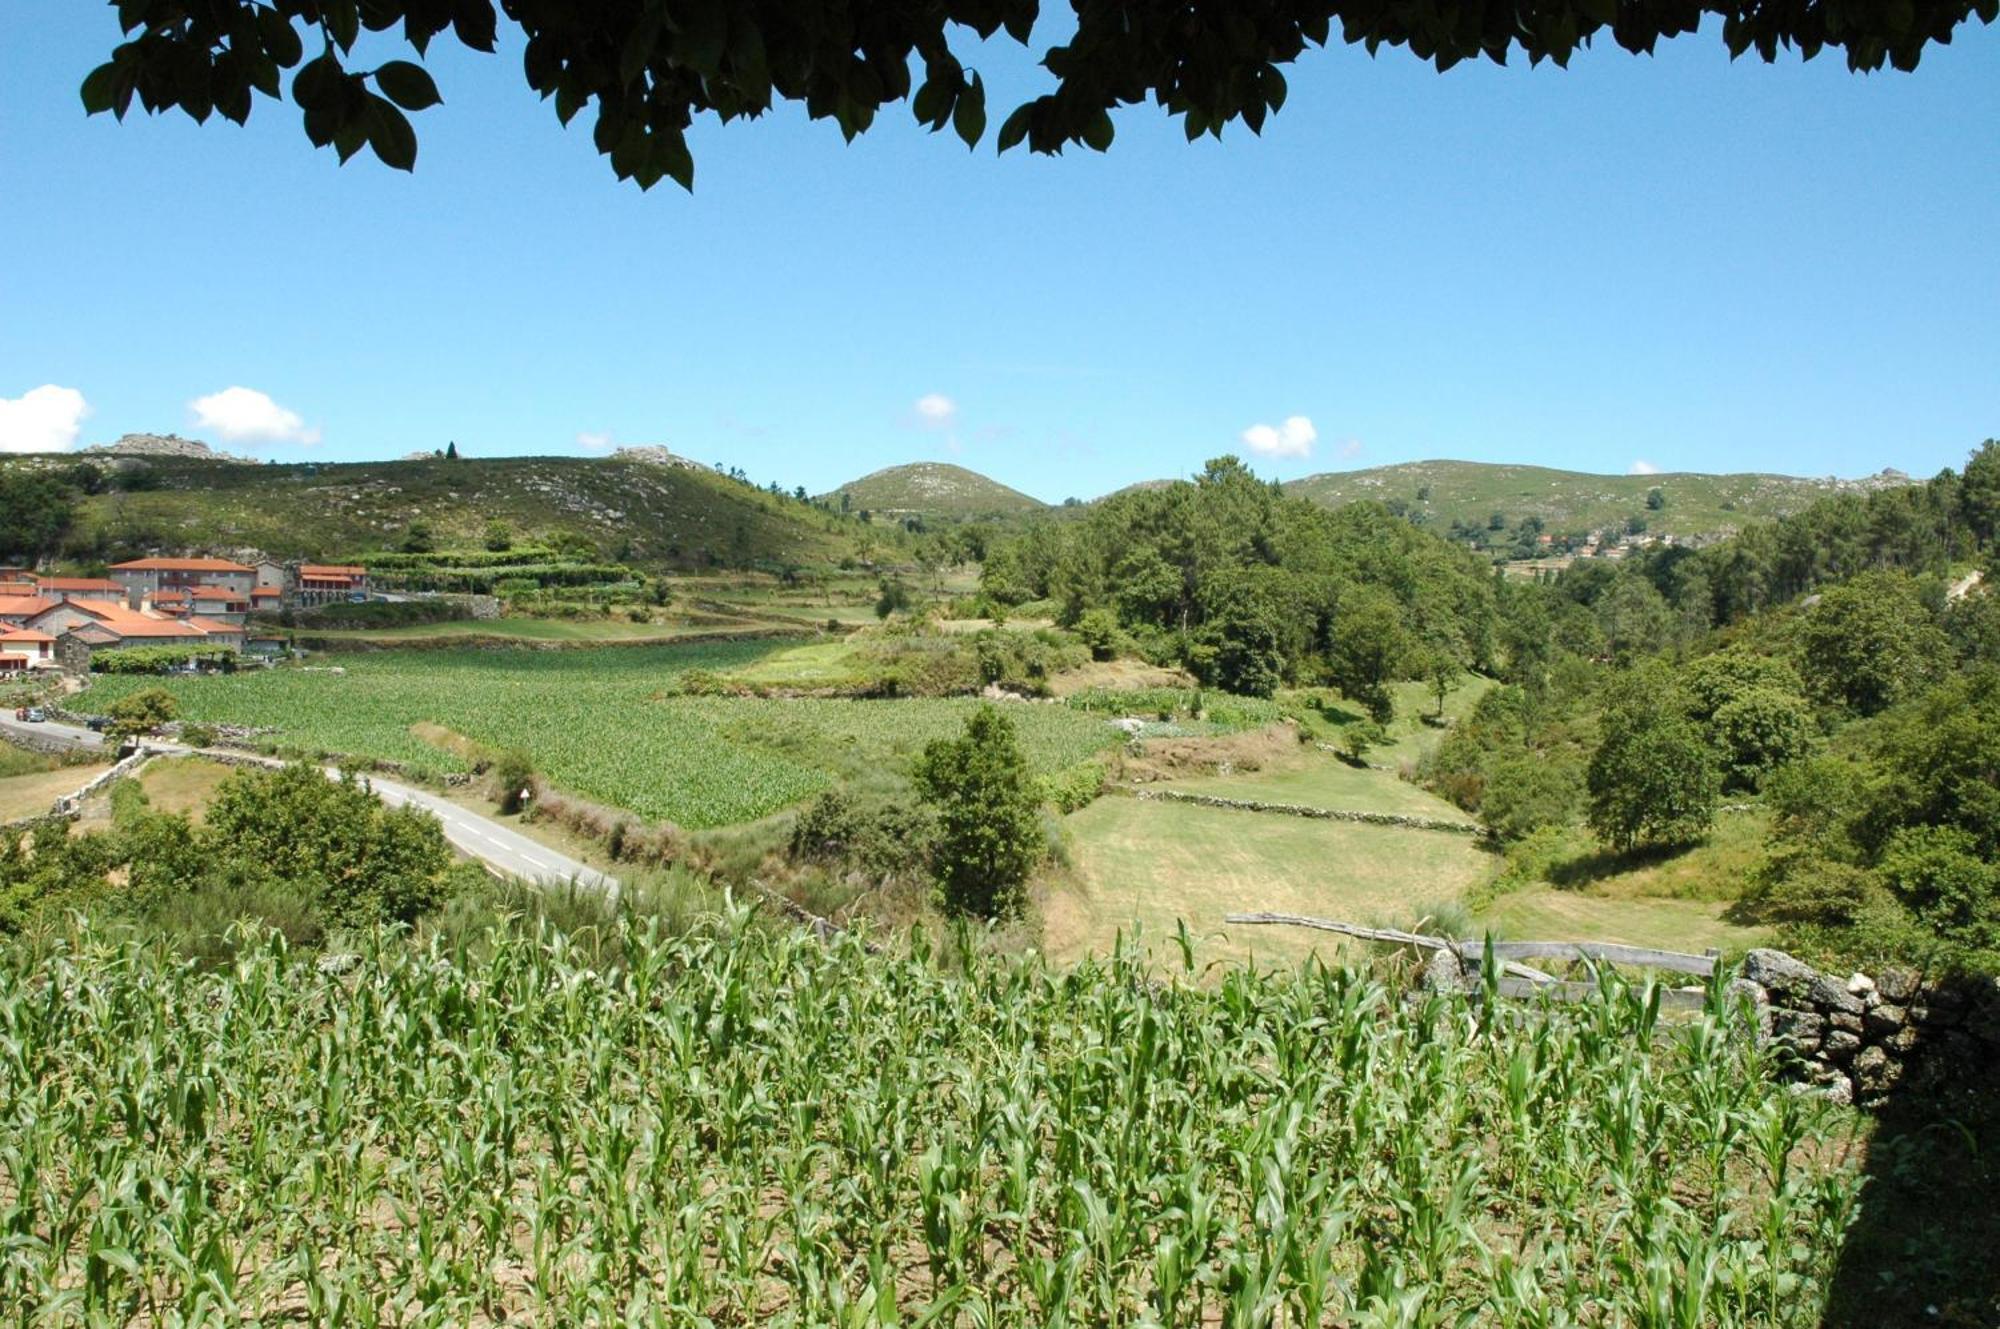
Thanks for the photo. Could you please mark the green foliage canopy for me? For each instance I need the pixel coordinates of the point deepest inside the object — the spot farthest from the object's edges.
(1653, 778)
(650, 69)
(989, 833)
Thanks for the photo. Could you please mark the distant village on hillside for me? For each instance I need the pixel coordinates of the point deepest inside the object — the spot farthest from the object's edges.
(200, 605)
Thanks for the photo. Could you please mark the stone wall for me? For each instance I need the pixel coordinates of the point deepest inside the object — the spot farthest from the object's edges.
(1861, 1036)
(1407, 821)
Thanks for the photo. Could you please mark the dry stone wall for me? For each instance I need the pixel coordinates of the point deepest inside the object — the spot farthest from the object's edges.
(1860, 1037)
(1408, 821)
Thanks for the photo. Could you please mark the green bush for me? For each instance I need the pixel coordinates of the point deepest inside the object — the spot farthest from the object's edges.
(141, 713)
(1526, 793)
(989, 832)
(513, 780)
(154, 659)
(369, 863)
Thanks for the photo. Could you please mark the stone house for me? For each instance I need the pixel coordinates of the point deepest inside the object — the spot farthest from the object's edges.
(145, 577)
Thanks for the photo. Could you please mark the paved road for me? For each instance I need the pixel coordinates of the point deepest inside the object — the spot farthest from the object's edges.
(499, 847)
(69, 735)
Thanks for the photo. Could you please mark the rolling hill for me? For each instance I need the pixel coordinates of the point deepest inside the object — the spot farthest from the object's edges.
(627, 509)
(1576, 501)
(934, 489)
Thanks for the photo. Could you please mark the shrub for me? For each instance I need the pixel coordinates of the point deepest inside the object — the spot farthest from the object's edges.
(198, 735)
(513, 780)
(1358, 738)
(989, 835)
(1525, 793)
(1098, 630)
(370, 863)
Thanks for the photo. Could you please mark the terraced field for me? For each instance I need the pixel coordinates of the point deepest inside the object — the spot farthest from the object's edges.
(603, 724)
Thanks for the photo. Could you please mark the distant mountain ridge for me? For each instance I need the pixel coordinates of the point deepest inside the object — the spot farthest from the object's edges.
(628, 509)
(1693, 504)
(934, 489)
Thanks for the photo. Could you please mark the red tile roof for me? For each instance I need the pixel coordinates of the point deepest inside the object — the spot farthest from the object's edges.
(180, 565)
(78, 584)
(264, 592)
(131, 623)
(25, 606)
(215, 593)
(215, 628)
(25, 634)
(331, 570)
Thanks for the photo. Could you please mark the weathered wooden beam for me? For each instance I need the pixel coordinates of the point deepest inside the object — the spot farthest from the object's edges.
(1394, 936)
(1702, 966)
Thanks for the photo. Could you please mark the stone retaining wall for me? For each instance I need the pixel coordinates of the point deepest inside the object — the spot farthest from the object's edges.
(1859, 1037)
(1408, 821)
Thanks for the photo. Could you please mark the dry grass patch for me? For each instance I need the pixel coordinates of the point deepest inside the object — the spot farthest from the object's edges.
(1118, 674)
(182, 785)
(34, 794)
(1151, 864)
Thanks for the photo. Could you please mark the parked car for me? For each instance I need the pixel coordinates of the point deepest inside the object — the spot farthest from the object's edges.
(35, 715)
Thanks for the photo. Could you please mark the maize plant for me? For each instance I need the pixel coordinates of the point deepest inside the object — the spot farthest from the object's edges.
(752, 1128)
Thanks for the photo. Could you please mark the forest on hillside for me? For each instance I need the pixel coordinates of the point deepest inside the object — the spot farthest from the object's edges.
(1841, 666)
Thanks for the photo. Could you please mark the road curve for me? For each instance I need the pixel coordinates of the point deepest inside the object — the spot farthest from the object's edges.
(499, 847)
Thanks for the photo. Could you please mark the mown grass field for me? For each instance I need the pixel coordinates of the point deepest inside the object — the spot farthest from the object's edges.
(1149, 865)
(33, 793)
(603, 724)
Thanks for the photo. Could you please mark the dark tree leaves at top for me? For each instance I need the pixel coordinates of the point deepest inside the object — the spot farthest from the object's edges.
(648, 68)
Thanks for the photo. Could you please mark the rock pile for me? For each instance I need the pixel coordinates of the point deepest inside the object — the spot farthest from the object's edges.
(164, 445)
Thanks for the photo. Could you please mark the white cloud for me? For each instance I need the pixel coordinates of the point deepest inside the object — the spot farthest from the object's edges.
(44, 419)
(935, 410)
(1294, 438)
(1351, 448)
(1642, 467)
(245, 415)
(590, 442)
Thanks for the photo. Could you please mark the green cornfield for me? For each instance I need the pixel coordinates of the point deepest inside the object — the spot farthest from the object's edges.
(752, 1128)
(603, 724)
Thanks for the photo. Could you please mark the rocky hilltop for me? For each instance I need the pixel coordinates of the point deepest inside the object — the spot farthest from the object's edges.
(164, 445)
(655, 456)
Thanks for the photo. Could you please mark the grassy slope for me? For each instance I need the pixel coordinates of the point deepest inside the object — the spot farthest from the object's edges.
(1152, 863)
(1571, 501)
(1679, 901)
(935, 489)
(34, 794)
(669, 515)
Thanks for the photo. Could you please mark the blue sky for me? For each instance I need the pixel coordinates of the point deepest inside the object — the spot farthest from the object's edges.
(1675, 262)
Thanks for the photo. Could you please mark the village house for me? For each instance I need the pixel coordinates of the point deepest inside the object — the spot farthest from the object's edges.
(83, 628)
(79, 588)
(324, 583)
(19, 610)
(144, 577)
(24, 648)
